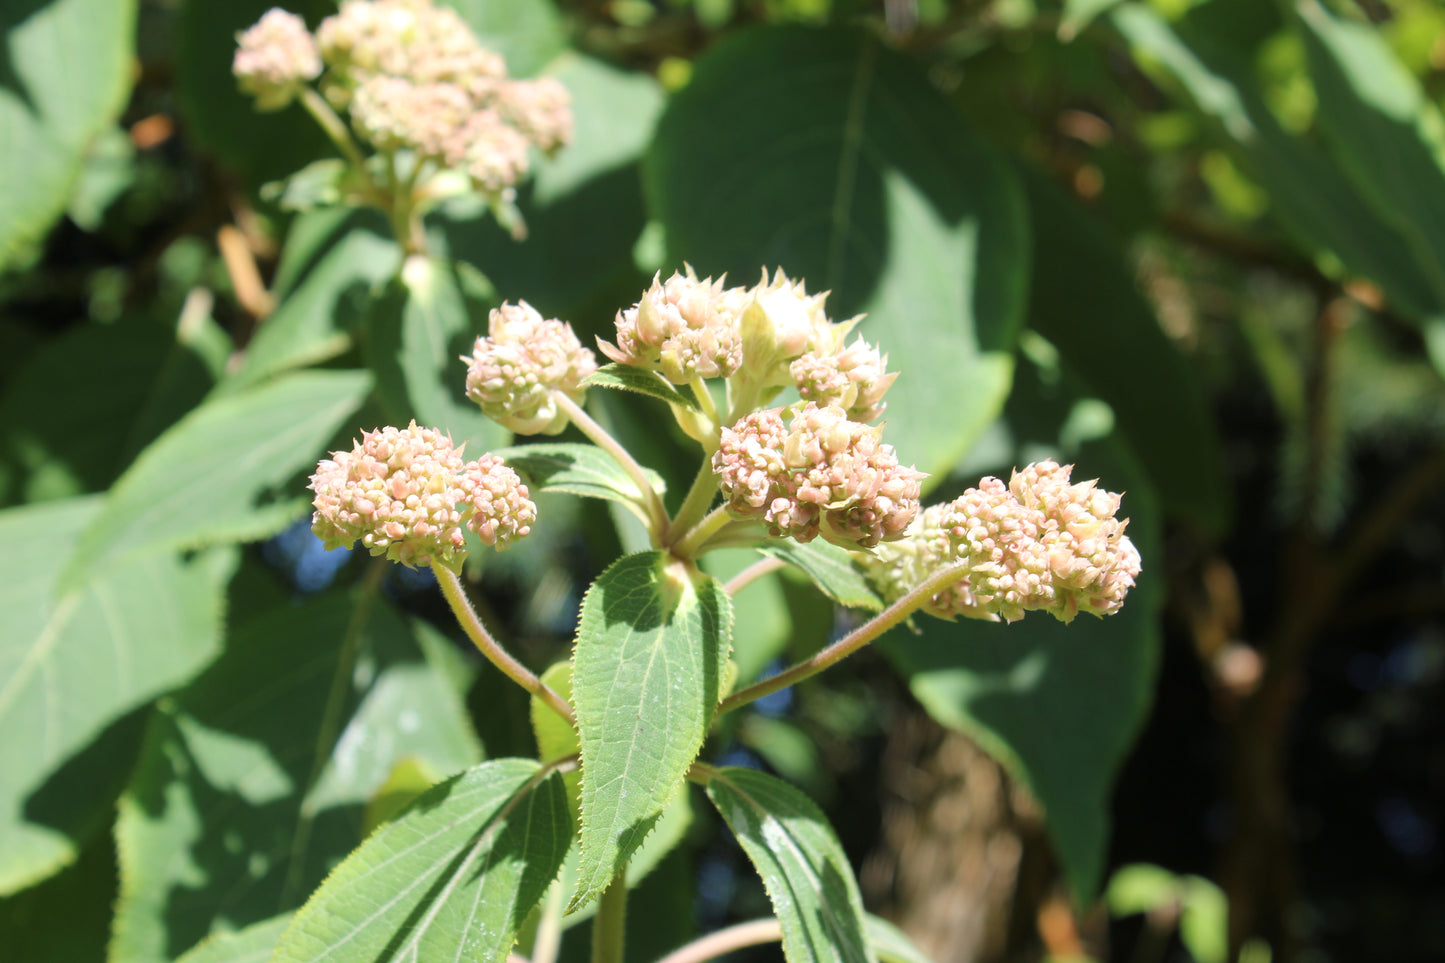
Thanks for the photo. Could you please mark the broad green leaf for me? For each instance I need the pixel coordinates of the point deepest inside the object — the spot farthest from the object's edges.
(74, 660)
(649, 383)
(1158, 403)
(652, 643)
(1312, 199)
(802, 864)
(865, 181)
(556, 739)
(107, 171)
(830, 568)
(527, 33)
(417, 331)
(253, 779)
(583, 470)
(583, 208)
(88, 400)
(1059, 705)
(331, 261)
(1385, 130)
(253, 944)
(453, 877)
(213, 475)
(66, 77)
(65, 919)
(890, 943)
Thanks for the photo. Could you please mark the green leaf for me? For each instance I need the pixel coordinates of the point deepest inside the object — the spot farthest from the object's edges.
(253, 944)
(583, 470)
(1312, 199)
(331, 261)
(253, 779)
(65, 919)
(1078, 14)
(453, 877)
(763, 626)
(1385, 130)
(417, 331)
(890, 943)
(527, 33)
(864, 180)
(583, 208)
(67, 75)
(802, 864)
(212, 476)
(556, 739)
(1158, 403)
(627, 378)
(1058, 705)
(73, 660)
(652, 643)
(831, 569)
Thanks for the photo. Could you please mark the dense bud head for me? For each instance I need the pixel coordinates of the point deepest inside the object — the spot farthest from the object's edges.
(514, 371)
(391, 112)
(275, 58)
(541, 109)
(854, 378)
(490, 151)
(682, 327)
(824, 475)
(407, 494)
(410, 39)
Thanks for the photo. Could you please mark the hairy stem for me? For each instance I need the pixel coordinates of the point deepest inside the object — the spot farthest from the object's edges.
(690, 544)
(695, 505)
(471, 624)
(652, 504)
(704, 398)
(610, 924)
(851, 642)
(755, 571)
(734, 937)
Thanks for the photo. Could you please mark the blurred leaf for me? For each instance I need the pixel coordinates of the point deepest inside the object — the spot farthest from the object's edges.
(890, 943)
(253, 944)
(1139, 888)
(253, 779)
(65, 919)
(330, 263)
(65, 75)
(831, 569)
(527, 33)
(652, 644)
(583, 470)
(864, 180)
(763, 626)
(1388, 135)
(803, 866)
(790, 752)
(556, 738)
(1202, 907)
(1058, 705)
(107, 171)
(626, 378)
(88, 400)
(75, 659)
(454, 876)
(1156, 398)
(213, 476)
(583, 208)
(1078, 14)
(417, 331)
(409, 778)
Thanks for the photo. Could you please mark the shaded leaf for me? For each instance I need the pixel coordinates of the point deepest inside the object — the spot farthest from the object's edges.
(802, 864)
(864, 180)
(652, 643)
(527, 33)
(65, 919)
(831, 569)
(453, 877)
(583, 470)
(649, 383)
(253, 944)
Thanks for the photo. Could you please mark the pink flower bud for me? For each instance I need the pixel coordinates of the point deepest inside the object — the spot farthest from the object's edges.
(513, 372)
(275, 59)
(682, 327)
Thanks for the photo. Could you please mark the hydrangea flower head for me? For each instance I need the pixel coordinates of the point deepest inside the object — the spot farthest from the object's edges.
(514, 371)
(683, 328)
(406, 493)
(275, 58)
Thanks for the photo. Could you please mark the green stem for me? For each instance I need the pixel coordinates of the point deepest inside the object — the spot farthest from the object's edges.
(851, 642)
(321, 111)
(695, 505)
(610, 923)
(736, 937)
(690, 545)
(599, 436)
(704, 398)
(471, 624)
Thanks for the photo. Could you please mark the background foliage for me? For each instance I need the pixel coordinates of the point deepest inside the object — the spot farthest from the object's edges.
(1195, 246)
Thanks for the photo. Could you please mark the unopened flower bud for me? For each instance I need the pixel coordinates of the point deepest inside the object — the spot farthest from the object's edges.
(275, 59)
(682, 327)
(491, 152)
(541, 109)
(777, 323)
(515, 370)
(855, 379)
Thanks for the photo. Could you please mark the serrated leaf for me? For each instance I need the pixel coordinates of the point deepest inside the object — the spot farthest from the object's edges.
(652, 643)
(252, 781)
(72, 661)
(417, 331)
(627, 378)
(802, 864)
(453, 877)
(831, 569)
(865, 181)
(211, 477)
(253, 944)
(67, 75)
(583, 470)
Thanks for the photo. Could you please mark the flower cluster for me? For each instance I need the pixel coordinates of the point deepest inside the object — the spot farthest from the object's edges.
(412, 75)
(1038, 543)
(770, 336)
(406, 493)
(515, 371)
(275, 58)
(823, 474)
